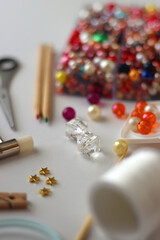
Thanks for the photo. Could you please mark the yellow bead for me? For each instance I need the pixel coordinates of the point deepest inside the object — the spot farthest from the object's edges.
(134, 75)
(150, 8)
(94, 112)
(120, 147)
(61, 76)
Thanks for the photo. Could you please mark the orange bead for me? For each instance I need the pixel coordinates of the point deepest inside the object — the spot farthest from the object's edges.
(140, 106)
(118, 109)
(150, 117)
(134, 75)
(136, 113)
(144, 127)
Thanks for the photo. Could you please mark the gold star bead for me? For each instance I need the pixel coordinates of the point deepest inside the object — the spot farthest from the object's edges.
(34, 179)
(44, 171)
(45, 191)
(51, 181)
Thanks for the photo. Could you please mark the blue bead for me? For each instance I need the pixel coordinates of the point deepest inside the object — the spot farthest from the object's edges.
(147, 74)
(150, 75)
(119, 14)
(144, 74)
(149, 66)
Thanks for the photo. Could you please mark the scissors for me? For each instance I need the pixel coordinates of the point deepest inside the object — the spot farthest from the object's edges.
(7, 70)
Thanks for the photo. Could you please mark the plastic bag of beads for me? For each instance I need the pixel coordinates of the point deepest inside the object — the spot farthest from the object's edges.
(113, 51)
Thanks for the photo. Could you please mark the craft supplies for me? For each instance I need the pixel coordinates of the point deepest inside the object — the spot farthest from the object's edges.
(94, 112)
(82, 235)
(43, 88)
(69, 113)
(9, 224)
(120, 147)
(94, 98)
(13, 200)
(142, 119)
(16, 146)
(125, 201)
(51, 181)
(8, 67)
(34, 179)
(113, 52)
(118, 109)
(45, 191)
(75, 128)
(87, 142)
(144, 127)
(44, 171)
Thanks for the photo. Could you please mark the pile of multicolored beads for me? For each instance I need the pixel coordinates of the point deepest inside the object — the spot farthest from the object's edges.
(143, 118)
(113, 51)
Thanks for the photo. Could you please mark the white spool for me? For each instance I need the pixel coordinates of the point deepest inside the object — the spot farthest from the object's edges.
(126, 200)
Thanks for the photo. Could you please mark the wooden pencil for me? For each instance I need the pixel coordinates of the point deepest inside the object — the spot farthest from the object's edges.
(39, 82)
(85, 229)
(47, 84)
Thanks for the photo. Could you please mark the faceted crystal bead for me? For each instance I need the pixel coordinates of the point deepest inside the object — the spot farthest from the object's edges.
(75, 128)
(88, 143)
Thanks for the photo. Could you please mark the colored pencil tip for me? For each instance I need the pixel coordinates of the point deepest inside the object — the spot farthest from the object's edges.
(37, 116)
(46, 119)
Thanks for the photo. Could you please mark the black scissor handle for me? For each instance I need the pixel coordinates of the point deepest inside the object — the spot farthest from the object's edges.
(8, 64)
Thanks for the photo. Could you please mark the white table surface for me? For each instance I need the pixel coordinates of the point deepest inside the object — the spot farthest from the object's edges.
(23, 26)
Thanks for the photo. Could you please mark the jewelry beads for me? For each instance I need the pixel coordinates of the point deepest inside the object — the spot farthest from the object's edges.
(103, 32)
(149, 117)
(120, 147)
(87, 142)
(133, 121)
(143, 117)
(94, 98)
(75, 128)
(69, 113)
(144, 127)
(94, 112)
(140, 106)
(118, 109)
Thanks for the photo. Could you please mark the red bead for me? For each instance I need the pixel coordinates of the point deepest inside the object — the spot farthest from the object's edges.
(136, 113)
(94, 98)
(69, 113)
(118, 109)
(112, 58)
(74, 39)
(110, 6)
(140, 106)
(95, 87)
(144, 127)
(150, 117)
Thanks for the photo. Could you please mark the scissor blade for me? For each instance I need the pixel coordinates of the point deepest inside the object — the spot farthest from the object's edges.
(6, 106)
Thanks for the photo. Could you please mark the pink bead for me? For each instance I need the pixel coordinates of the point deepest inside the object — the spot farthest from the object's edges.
(85, 48)
(90, 53)
(69, 113)
(94, 98)
(65, 59)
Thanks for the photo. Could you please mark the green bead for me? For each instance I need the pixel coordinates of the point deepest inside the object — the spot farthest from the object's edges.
(99, 37)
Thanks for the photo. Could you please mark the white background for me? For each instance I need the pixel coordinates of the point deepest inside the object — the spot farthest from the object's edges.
(24, 25)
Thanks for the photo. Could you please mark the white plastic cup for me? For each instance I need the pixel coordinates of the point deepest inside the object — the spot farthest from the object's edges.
(126, 200)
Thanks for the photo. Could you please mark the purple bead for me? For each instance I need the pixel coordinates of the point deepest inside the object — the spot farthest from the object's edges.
(69, 113)
(94, 98)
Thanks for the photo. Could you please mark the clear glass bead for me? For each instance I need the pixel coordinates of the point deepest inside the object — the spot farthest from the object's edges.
(88, 143)
(75, 128)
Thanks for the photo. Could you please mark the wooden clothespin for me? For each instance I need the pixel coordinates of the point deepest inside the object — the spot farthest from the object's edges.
(13, 200)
